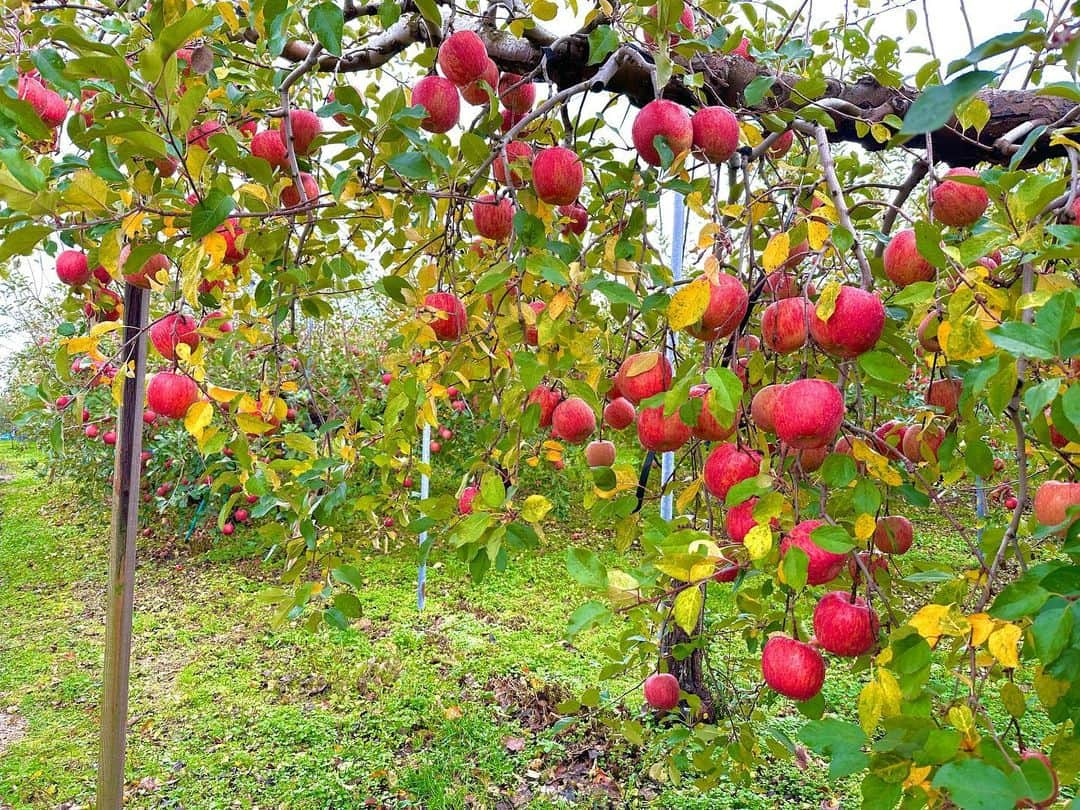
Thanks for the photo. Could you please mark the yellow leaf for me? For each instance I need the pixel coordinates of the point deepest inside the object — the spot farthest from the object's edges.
(871, 706)
(688, 304)
(80, 345)
(214, 245)
(104, 328)
(864, 526)
(687, 609)
(776, 252)
(252, 424)
(964, 338)
(642, 363)
(219, 394)
(817, 234)
(707, 235)
(758, 541)
(198, 416)
(981, 627)
(928, 621)
(890, 692)
(87, 192)
(1002, 645)
(687, 495)
(826, 304)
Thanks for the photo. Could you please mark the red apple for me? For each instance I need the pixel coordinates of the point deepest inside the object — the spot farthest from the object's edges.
(743, 50)
(958, 204)
(228, 528)
(547, 398)
(557, 175)
(600, 454)
(171, 393)
(716, 133)
(785, 324)
(728, 301)
(72, 268)
(921, 444)
(439, 98)
(479, 92)
(727, 465)
(707, 427)
(763, 407)
(854, 326)
(532, 331)
(269, 146)
(824, 566)
(903, 263)
(686, 20)
(290, 195)
(808, 413)
(493, 219)
(306, 127)
(643, 375)
(793, 668)
(450, 319)
(782, 145)
(844, 625)
(664, 119)
(168, 332)
(927, 332)
(1053, 499)
(619, 413)
(659, 433)
(151, 267)
(573, 421)
(465, 500)
(463, 57)
(739, 520)
(893, 534)
(518, 153)
(662, 691)
(517, 94)
(91, 431)
(875, 564)
(577, 219)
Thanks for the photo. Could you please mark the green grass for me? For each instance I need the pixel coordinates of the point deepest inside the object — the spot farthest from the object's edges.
(404, 709)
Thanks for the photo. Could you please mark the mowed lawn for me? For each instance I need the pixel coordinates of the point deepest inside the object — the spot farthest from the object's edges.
(452, 707)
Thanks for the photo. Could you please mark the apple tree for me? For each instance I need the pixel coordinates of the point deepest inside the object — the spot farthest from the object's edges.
(878, 321)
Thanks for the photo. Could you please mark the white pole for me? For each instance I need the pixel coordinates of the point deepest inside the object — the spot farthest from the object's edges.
(667, 460)
(425, 485)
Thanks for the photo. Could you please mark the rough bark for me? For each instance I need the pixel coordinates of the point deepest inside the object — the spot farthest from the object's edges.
(726, 79)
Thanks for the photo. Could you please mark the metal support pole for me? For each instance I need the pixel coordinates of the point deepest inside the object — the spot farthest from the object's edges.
(678, 237)
(425, 485)
(125, 526)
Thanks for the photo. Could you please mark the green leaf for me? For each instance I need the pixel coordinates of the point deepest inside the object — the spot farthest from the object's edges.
(102, 164)
(349, 575)
(492, 489)
(585, 567)
(602, 41)
(884, 366)
(327, 22)
(22, 241)
(29, 175)
(757, 90)
(430, 11)
(617, 292)
(211, 212)
(587, 615)
(974, 785)
(1002, 43)
(832, 538)
(935, 105)
(839, 740)
(838, 470)
(1019, 599)
(795, 566)
(1022, 339)
(1051, 630)
(413, 165)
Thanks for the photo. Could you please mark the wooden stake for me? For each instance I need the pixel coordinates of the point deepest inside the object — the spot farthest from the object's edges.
(125, 525)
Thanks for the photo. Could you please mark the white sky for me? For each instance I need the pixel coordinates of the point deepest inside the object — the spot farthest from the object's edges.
(947, 30)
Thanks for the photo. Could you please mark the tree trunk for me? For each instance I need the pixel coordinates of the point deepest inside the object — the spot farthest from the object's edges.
(689, 671)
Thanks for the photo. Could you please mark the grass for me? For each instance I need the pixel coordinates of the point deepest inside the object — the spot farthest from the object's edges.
(404, 709)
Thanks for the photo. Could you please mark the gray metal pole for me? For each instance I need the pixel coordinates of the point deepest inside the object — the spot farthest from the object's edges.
(125, 526)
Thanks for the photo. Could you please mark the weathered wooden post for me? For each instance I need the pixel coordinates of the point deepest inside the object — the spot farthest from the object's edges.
(125, 525)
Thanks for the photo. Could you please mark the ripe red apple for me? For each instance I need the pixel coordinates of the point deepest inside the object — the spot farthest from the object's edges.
(890, 434)
(743, 50)
(893, 534)
(763, 407)
(510, 119)
(854, 326)
(779, 284)
(782, 145)
(228, 528)
(435, 447)
(166, 166)
(810, 459)
(558, 175)
(875, 564)
(573, 421)
(824, 566)
(793, 668)
(577, 219)
(532, 331)
(479, 92)
(1010, 503)
(241, 515)
(716, 133)
(844, 625)
(517, 94)
(269, 146)
(664, 119)
(808, 413)
(728, 301)
(739, 520)
(199, 135)
(465, 500)
(903, 263)
(748, 344)
(785, 324)
(493, 219)
(151, 267)
(659, 433)
(643, 375)
(600, 454)
(727, 573)
(63, 401)
(921, 444)
(927, 332)
(171, 393)
(958, 204)
(619, 413)
(109, 437)
(102, 275)
(450, 320)
(518, 154)
(547, 398)
(306, 127)
(686, 20)
(945, 394)
(463, 57)
(168, 332)
(662, 691)
(727, 465)
(387, 378)
(72, 268)
(707, 427)
(439, 98)
(91, 431)
(290, 195)
(1053, 499)
(446, 434)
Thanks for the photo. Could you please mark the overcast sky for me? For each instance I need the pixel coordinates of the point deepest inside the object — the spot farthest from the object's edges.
(947, 31)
